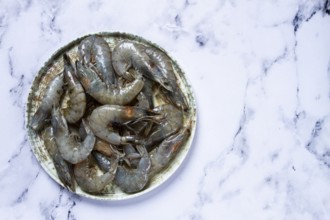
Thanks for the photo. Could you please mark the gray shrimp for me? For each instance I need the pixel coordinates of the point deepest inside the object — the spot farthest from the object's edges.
(171, 122)
(132, 157)
(87, 177)
(51, 98)
(105, 115)
(95, 52)
(102, 160)
(134, 180)
(105, 158)
(127, 54)
(63, 169)
(76, 105)
(69, 146)
(163, 67)
(142, 127)
(165, 152)
(104, 94)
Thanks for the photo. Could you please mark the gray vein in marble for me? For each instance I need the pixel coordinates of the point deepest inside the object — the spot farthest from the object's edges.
(305, 13)
(326, 8)
(25, 192)
(17, 91)
(49, 26)
(267, 65)
(322, 154)
(14, 172)
(19, 150)
(10, 61)
(65, 201)
(238, 150)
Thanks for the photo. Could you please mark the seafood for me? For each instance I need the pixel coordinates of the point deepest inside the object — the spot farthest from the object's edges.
(142, 127)
(77, 100)
(107, 95)
(69, 145)
(106, 115)
(164, 153)
(148, 92)
(49, 141)
(63, 169)
(163, 67)
(134, 180)
(86, 175)
(103, 147)
(127, 54)
(103, 161)
(119, 114)
(171, 122)
(95, 52)
(131, 155)
(51, 98)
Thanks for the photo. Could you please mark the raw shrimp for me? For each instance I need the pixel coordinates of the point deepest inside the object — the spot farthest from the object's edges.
(132, 157)
(108, 95)
(163, 67)
(86, 174)
(49, 141)
(102, 160)
(64, 169)
(76, 105)
(106, 115)
(69, 146)
(134, 180)
(142, 127)
(171, 122)
(52, 97)
(128, 54)
(95, 52)
(163, 154)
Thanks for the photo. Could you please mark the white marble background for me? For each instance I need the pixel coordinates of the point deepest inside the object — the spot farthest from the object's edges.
(261, 75)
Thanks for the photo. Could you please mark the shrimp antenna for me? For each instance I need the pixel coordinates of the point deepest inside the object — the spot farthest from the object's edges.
(147, 118)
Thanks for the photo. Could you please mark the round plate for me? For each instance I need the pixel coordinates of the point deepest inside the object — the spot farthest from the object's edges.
(54, 66)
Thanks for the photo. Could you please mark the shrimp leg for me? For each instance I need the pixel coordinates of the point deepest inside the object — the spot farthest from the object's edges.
(171, 122)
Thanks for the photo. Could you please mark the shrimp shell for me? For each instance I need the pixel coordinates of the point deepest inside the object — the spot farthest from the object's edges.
(107, 95)
(63, 169)
(134, 180)
(77, 99)
(163, 67)
(165, 152)
(171, 122)
(51, 98)
(86, 174)
(95, 50)
(70, 148)
(105, 115)
(127, 54)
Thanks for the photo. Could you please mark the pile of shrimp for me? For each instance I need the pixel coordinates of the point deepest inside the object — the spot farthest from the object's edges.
(99, 119)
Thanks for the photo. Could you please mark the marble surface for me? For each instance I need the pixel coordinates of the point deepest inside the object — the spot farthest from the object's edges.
(260, 72)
